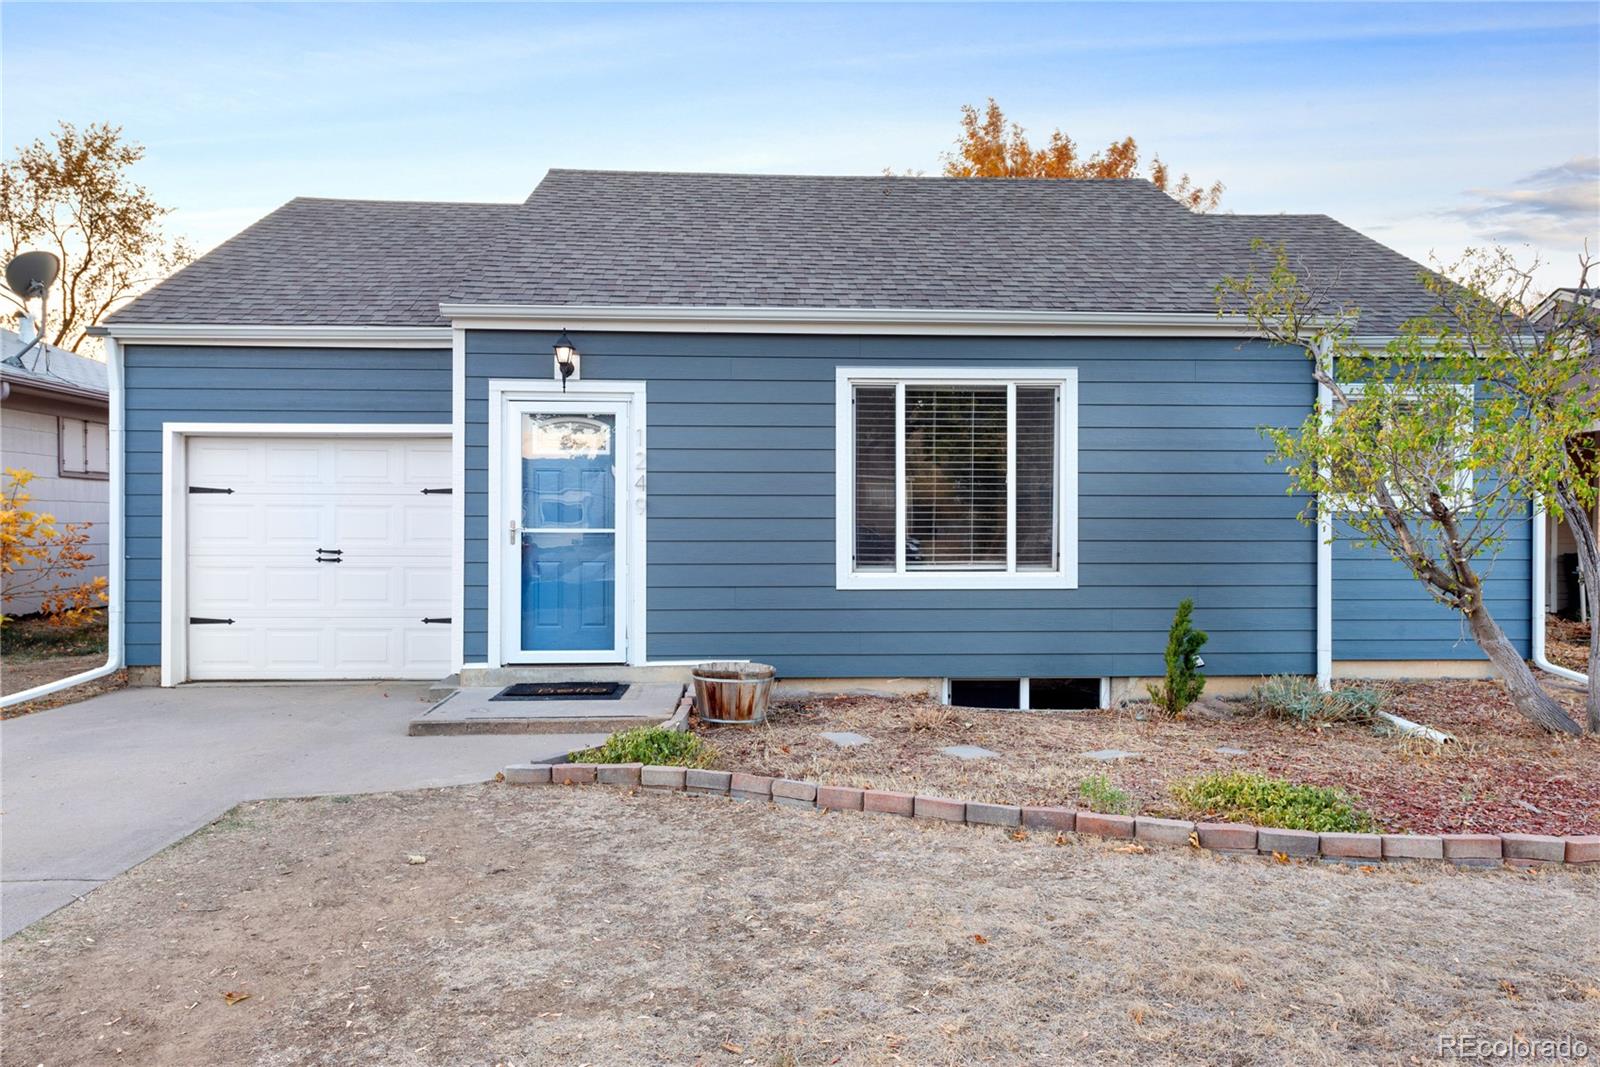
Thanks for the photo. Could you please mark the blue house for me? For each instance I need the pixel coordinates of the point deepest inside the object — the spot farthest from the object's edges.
(891, 433)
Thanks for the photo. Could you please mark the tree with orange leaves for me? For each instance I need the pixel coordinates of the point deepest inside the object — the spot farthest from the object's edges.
(990, 147)
(37, 557)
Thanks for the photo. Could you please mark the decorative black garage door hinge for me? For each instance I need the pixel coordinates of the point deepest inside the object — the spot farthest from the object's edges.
(446, 491)
(435, 620)
(195, 620)
(207, 489)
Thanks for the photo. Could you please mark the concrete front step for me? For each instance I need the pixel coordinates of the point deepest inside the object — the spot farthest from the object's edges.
(470, 711)
(500, 677)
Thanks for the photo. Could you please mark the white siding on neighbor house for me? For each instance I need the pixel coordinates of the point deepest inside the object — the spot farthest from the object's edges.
(30, 440)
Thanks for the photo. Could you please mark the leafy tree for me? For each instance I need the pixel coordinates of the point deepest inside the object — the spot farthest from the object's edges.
(37, 556)
(1435, 443)
(989, 147)
(71, 194)
(1184, 682)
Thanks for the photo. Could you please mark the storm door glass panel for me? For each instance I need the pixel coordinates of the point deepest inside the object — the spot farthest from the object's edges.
(955, 477)
(569, 537)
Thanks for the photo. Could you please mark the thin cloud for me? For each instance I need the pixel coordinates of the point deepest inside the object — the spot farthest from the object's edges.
(1555, 205)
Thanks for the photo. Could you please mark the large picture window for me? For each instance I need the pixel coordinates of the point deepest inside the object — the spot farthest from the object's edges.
(957, 479)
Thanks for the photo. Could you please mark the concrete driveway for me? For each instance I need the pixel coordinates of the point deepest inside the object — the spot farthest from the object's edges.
(90, 789)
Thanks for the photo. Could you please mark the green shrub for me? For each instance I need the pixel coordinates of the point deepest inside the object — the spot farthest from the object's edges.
(1297, 698)
(1238, 796)
(1100, 795)
(1184, 682)
(650, 744)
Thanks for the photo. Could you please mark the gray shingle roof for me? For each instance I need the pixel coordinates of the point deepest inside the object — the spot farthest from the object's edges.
(740, 240)
(50, 367)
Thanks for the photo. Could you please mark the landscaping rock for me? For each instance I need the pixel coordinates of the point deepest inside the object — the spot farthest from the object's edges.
(1533, 848)
(623, 774)
(572, 773)
(941, 808)
(793, 794)
(982, 814)
(528, 774)
(1288, 842)
(1062, 819)
(707, 783)
(838, 798)
(845, 738)
(1585, 848)
(1108, 755)
(885, 802)
(662, 779)
(1353, 846)
(1472, 850)
(1413, 847)
(1102, 824)
(1162, 831)
(968, 752)
(1228, 750)
(752, 787)
(1227, 836)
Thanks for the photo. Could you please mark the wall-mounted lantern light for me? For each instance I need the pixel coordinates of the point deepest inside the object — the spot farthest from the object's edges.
(566, 359)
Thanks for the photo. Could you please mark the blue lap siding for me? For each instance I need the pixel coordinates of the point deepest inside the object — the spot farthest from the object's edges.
(1175, 500)
(228, 384)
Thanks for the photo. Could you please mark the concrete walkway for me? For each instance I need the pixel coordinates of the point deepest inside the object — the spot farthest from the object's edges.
(90, 789)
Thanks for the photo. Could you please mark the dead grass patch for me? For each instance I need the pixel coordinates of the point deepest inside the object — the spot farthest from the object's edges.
(590, 925)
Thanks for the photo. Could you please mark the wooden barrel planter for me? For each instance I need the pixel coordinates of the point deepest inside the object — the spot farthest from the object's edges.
(733, 692)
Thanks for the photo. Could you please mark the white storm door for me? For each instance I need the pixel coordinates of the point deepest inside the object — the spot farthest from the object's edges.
(563, 532)
(318, 558)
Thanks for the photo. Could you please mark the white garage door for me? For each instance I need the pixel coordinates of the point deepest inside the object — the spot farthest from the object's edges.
(318, 558)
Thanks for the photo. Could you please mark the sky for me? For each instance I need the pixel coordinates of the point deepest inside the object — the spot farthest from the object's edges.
(1430, 127)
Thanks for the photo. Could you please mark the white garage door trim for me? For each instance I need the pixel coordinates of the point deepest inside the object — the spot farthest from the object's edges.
(174, 515)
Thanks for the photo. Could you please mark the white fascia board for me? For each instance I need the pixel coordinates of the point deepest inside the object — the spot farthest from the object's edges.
(668, 319)
(280, 336)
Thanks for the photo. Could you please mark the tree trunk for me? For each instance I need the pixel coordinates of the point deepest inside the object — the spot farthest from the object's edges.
(1529, 697)
(1583, 534)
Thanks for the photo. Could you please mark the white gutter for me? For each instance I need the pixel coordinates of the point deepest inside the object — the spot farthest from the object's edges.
(115, 541)
(150, 333)
(967, 321)
(1325, 558)
(1541, 563)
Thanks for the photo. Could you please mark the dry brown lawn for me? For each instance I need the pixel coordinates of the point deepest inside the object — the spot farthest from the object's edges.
(1503, 774)
(588, 925)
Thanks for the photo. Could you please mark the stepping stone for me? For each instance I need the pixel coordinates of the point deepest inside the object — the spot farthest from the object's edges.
(1227, 751)
(846, 739)
(968, 752)
(1108, 755)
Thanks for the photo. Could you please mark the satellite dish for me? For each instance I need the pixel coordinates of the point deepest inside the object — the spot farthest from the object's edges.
(31, 273)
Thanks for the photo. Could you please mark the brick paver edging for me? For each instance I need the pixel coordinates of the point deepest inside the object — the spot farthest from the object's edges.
(1237, 839)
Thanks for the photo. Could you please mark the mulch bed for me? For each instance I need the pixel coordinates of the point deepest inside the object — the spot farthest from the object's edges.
(1503, 774)
(1566, 643)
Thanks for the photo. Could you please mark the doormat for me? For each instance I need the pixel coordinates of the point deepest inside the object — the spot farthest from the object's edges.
(562, 691)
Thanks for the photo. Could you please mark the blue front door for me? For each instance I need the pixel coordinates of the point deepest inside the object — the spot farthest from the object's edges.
(568, 536)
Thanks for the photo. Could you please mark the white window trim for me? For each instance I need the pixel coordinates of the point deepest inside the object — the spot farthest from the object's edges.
(175, 513)
(847, 577)
(1461, 492)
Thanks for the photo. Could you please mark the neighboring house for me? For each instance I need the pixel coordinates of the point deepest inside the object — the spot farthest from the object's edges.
(53, 422)
(881, 431)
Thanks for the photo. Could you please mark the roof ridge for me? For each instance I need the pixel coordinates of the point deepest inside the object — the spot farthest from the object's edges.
(839, 177)
(381, 200)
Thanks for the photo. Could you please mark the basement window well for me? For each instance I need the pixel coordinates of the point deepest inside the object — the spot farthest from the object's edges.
(1027, 694)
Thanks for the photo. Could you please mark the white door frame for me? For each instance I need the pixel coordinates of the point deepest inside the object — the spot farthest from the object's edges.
(631, 481)
(175, 512)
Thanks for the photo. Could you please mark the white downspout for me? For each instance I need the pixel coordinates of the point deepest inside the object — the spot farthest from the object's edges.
(1324, 559)
(115, 541)
(1541, 564)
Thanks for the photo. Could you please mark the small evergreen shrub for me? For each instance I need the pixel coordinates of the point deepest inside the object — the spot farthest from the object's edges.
(1184, 682)
(650, 744)
(1297, 698)
(1239, 796)
(1100, 795)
